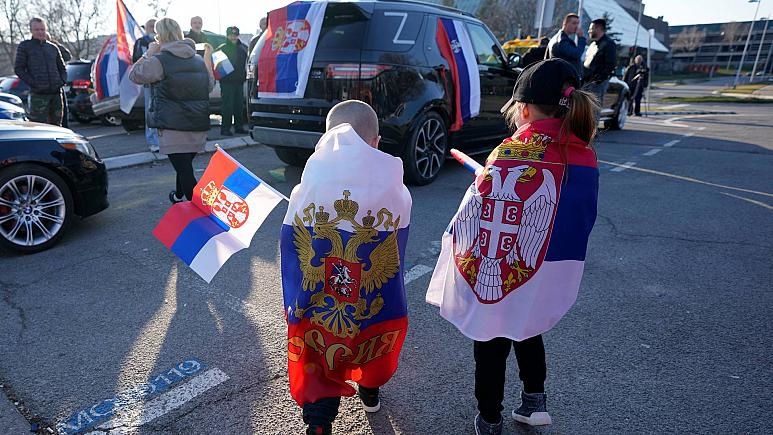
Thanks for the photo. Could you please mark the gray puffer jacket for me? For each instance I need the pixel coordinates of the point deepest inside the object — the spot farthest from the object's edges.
(39, 64)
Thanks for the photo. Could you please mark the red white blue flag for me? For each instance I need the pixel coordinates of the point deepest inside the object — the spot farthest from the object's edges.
(229, 204)
(115, 58)
(343, 246)
(513, 256)
(286, 57)
(456, 48)
(221, 64)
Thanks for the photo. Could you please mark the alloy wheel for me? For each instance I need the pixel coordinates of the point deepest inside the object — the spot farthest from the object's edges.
(32, 210)
(430, 148)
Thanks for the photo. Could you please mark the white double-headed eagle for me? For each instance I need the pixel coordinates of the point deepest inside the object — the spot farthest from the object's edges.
(532, 231)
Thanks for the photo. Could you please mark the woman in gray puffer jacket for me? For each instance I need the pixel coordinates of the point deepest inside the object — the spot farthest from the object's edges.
(180, 85)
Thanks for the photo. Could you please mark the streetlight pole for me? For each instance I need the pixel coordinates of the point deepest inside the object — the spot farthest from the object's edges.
(651, 33)
(746, 46)
(541, 19)
(759, 49)
(636, 35)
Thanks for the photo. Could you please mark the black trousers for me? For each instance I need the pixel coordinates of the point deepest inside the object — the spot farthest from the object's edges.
(322, 412)
(186, 181)
(491, 363)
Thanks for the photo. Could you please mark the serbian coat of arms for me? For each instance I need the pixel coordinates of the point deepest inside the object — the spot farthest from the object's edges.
(501, 233)
(227, 206)
(292, 38)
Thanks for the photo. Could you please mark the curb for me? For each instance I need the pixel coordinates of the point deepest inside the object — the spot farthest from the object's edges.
(142, 158)
(751, 96)
(691, 112)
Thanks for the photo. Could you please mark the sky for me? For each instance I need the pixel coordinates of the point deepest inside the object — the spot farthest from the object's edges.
(246, 14)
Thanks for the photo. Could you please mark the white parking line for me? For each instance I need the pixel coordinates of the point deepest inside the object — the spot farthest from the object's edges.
(653, 151)
(674, 106)
(623, 167)
(416, 272)
(671, 143)
(128, 420)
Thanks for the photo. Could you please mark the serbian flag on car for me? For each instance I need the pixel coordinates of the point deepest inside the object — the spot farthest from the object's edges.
(285, 59)
(221, 64)
(456, 48)
(513, 256)
(343, 246)
(229, 204)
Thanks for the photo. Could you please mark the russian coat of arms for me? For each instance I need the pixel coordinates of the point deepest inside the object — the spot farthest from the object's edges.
(500, 235)
(227, 206)
(345, 297)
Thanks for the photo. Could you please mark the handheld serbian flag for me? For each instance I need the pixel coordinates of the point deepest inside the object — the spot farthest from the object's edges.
(221, 64)
(285, 59)
(456, 48)
(229, 204)
(343, 245)
(127, 33)
(513, 256)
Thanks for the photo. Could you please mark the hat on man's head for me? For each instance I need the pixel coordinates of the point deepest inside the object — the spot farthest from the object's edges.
(543, 82)
(233, 30)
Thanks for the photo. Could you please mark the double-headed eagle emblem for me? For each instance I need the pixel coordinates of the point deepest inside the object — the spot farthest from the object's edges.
(342, 301)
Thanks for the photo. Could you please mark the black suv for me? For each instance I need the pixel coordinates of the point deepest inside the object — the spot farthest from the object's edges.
(385, 53)
(78, 90)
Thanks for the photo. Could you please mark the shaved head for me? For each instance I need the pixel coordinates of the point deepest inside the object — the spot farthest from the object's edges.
(359, 115)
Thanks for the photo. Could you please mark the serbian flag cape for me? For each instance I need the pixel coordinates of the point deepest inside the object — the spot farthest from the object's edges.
(513, 256)
(456, 48)
(221, 64)
(343, 245)
(229, 204)
(285, 59)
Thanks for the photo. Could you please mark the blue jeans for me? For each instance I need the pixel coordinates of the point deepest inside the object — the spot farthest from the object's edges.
(151, 134)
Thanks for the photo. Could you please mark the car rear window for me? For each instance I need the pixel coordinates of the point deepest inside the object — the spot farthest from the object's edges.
(78, 71)
(393, 31)
(343, 28)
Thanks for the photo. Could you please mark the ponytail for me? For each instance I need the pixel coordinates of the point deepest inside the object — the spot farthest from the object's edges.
(580, 117)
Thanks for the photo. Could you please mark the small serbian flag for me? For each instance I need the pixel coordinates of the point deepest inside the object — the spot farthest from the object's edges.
(221, 64)
(285, 59)
(456, 48)
(229, 204)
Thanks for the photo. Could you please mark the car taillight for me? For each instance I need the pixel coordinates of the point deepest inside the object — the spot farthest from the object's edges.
(355, 71)
(81, 84)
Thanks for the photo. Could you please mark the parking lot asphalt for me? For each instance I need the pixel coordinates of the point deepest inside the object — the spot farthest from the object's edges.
(671, 331)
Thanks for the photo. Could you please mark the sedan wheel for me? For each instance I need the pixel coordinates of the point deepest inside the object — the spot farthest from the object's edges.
(621, 115)
(35, 208)
(427, 151)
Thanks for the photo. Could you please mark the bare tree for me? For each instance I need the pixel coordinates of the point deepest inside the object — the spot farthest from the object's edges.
(731, 32)
(689, 39)
(159, 7)
(74, 23)
(13, 26)
(450, 3)
(504, 19)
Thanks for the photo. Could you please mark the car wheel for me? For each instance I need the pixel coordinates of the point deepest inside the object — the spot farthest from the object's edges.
(35, 208)
(292, 157)
(110, 120)
(426, 151)
(131, 125)
(621, 115)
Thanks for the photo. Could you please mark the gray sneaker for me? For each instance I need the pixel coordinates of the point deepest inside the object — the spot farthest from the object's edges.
(533, 410)
(484, 428)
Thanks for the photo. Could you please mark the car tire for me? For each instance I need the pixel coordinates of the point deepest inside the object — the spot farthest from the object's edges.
(426, 150)
(30, 225)
(292, 157)
(110, 121)
(621, 114)
(131, 125)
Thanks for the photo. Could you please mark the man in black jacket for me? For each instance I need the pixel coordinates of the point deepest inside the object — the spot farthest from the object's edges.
(196, 33)
(232, 85)
(261, 28)
(600, 60)
(637, 77)
(562, 44)
(535, 54)
(39, 64)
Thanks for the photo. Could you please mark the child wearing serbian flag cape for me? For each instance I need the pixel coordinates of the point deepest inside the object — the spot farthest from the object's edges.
(513, 256)
(343, 244)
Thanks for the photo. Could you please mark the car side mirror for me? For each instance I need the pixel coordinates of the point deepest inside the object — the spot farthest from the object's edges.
(513, 60)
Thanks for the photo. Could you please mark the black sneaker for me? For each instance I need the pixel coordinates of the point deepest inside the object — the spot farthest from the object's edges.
(315, 429)
(533, 410)
(369, 397)
(482, 427)
(174, 199)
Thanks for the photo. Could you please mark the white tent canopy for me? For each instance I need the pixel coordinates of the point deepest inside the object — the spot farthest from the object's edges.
(623, 23)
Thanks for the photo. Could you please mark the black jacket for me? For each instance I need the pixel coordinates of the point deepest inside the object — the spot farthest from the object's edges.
(637, 77)
(140, 47)
(562, 46)
(237, 54)
(180, 101)
(600, 60)
(39, 64)
(534, 55)
(198, 37)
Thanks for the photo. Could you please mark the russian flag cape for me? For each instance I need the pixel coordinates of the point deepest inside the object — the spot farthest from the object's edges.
(513, 255)
(455, 46)
(343, 245)
(284, 61)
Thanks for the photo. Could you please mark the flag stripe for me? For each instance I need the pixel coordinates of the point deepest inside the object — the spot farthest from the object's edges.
(194, 237)
(174, 222)
(575, 215)
(461, 70)
(447, 52)
(214, 254)
(241, 183)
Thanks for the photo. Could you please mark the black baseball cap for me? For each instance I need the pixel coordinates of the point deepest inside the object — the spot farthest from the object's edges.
(543, 82)
(233, 30)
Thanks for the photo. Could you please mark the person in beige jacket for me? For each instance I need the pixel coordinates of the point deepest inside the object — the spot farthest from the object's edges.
(180, 85)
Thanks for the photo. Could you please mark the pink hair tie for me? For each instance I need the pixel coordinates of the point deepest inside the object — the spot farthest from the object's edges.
(568, 91)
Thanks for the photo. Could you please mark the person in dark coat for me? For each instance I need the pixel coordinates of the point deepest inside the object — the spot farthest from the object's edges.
(600, 60)
(563, 46)
(258, 34)
(39, 64)
(535, 54)
(232, 85)
(195, 33)
(637, 75)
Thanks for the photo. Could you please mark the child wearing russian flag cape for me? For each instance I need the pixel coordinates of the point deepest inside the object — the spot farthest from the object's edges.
(513, 256)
